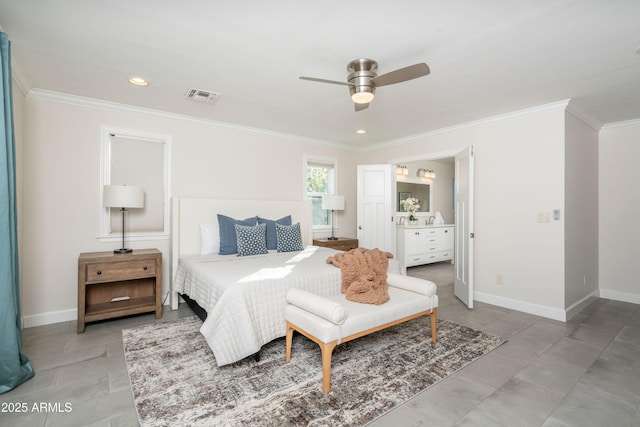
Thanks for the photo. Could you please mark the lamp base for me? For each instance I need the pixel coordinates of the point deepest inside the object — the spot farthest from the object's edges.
(122, 251)
(332, 238)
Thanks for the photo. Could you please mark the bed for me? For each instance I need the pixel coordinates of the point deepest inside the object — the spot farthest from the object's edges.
(244, 296)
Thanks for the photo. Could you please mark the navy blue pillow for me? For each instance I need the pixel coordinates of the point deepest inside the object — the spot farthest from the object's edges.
(251, 240)
(228, 239)
(272, 239)
(289, 238)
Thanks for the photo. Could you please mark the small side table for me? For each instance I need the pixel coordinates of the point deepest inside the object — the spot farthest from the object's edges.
(113, 285)
(342, 244)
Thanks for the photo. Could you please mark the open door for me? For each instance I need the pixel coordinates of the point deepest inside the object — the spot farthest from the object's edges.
(463, 285)
(375, 207)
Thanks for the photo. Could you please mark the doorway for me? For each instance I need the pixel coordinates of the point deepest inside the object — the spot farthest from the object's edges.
(457, 205)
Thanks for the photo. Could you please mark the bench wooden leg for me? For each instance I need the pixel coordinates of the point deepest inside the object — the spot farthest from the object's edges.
(327, 352)
(288, 342)
(434, 318)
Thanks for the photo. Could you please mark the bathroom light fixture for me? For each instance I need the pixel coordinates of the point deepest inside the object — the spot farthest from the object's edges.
(402, 170)
(361, 131)
(426, 173)
(138, 81)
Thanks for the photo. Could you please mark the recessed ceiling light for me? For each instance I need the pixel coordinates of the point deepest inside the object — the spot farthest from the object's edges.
(361, 131)
(138, 81)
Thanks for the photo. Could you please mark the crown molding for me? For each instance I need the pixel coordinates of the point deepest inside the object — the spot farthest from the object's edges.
(76, 100)
(82, 101)
(553, 106)
(623, 124)
(583, 116)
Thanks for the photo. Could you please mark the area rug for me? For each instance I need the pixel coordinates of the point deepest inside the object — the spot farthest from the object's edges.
(176, 382)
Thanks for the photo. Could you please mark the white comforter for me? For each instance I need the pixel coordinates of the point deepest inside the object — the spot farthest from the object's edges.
(245, 296)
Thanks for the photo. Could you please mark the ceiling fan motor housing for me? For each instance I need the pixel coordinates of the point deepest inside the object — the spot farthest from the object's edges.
(361, 71)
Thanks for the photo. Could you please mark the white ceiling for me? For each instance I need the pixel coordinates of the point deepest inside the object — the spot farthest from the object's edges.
(486, 57)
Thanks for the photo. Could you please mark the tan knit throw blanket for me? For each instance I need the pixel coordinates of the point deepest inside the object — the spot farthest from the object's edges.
(364, 274)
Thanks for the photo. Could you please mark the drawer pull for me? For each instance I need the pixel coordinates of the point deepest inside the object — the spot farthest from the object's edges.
(99, 272)
(145, 268)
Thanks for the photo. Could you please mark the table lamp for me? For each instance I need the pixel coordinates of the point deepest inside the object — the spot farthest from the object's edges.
(123, 197)
(334, 203)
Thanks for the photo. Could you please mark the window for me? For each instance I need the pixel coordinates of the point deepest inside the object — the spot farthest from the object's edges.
(320, 179)
(138, 159)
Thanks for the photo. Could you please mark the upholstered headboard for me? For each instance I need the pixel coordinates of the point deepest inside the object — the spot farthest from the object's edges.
(189, 213)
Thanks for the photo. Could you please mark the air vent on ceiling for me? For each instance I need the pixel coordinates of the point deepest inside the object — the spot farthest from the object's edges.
(201, 95)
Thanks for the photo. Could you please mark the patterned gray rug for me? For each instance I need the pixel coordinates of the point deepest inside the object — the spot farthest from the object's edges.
(175, 380)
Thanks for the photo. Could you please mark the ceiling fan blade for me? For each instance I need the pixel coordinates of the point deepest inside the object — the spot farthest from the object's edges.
(334, 82)
(360, 107)
(402, 74)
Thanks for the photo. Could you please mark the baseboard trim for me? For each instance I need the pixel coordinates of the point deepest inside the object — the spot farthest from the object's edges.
(620, 296)
(577, 307)
(49, 318)
(525, 307)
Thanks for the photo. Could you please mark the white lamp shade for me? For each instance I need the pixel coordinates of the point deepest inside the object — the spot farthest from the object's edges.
(335, 203)
(123, 196)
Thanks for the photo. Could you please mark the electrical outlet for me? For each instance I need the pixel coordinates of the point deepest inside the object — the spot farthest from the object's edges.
(544, 216)
(499, 279)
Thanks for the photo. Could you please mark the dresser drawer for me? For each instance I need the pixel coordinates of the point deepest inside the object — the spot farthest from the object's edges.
(416, 259)
(122, 270)
(432, 244)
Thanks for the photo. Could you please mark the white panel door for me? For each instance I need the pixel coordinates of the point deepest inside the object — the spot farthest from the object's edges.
(375, 203)
(463, 285)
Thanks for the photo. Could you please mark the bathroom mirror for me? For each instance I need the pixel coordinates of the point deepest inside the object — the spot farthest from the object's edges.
(414, 188)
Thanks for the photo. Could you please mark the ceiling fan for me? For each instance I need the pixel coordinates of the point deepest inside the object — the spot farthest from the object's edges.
(363, 79)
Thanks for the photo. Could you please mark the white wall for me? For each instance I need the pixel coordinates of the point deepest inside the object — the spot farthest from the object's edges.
(523, 166)
(519, 171)
(62, 180)
(580, 214)
(619, 213)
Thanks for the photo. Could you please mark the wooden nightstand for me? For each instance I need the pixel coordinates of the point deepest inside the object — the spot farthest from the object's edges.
(113, 285)
(342, 244)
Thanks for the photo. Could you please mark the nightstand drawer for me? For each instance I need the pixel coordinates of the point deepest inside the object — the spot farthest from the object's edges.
(343, 246)
(123, 270)
(340, 244)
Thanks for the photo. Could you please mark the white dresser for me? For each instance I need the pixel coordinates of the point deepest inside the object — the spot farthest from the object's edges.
(424, 244)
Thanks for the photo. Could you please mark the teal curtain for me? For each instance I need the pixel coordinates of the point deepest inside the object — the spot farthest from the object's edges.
(14, 366)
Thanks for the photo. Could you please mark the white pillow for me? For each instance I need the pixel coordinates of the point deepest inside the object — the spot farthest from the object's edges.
(209, 239)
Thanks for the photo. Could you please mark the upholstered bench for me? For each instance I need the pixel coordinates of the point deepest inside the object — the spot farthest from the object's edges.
(330, 321)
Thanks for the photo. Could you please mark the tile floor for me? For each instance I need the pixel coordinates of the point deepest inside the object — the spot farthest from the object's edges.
(582, 373)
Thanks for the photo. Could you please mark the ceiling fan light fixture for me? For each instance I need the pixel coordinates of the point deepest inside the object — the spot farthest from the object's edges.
(362, 97)
(362, 94)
